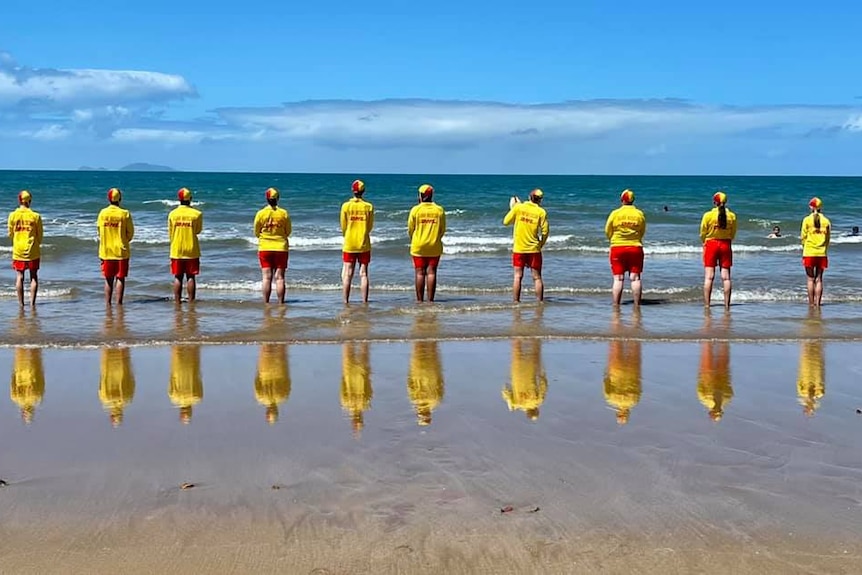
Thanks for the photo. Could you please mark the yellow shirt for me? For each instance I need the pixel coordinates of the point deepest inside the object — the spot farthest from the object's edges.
(529, 383)
(357, 220)
(186, 385)
(709, 229)
(714, 388)
(27, 387)
(623, 376)
(356, 389)
(811, 383)
(626, 226)
(116, 230)
(184, 225)
(272, 383)
(531, 227)
(426, 225)
(117, 381)
(425, 379)
(815, 241)
(25, 230)
(272, 227)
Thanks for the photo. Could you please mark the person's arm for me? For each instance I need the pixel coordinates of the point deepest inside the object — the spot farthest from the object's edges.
(170, 227)
(199, 224)
(130, 228)
(258, 225)
(828, 235)
(370, 218)
(609, 226)
(11, 225)
(803, 232)
(509, 218)
(343, 218)
(704, 227)
(642, 228)
(288, 224)
(39, 230)
(442, 222)
(733, 228)
(411, 223)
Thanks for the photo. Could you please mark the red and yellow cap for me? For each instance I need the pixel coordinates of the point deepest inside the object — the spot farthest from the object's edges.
(24, 197)
(271, 194)
(627, 196)
(815, 203)
(184, 195)
(426, 190)
(537, 193)
(358, 186)
(114, 195)
(719, 198)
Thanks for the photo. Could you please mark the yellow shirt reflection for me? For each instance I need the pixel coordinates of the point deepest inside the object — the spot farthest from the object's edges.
(355, 381)
(529, 384)
(117, 382)
(623, 377)
(27, 387)
(186, 387)
(714, 388)
(272, 382)
(811, 384)
(425, 380)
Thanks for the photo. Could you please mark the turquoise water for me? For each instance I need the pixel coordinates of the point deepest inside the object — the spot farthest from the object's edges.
(475, 275)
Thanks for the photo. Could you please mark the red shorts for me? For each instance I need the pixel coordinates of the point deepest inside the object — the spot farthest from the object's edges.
(190, 267)
(422, 262)
(115, 268)
(353, 257)
(717, 253)
(532, 261)
(21, 265)
(816, 262)
(272, 260)
(627, 259)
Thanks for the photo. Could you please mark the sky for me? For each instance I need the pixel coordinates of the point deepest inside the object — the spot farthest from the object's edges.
(542, 87)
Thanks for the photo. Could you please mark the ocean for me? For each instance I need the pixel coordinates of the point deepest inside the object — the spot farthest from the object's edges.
(475, 275)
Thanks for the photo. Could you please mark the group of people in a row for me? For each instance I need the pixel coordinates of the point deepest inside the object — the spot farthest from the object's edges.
(426, 226)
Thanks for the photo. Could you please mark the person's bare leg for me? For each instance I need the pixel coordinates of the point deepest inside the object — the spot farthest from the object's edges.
(34, 286)
(121, 290)
(178, 288)
(266, 283)
(280, 286)
(19, 287)
(431, 282)
(364, 281)
(637, 287)
(191, 287)
(617, 290)
(809, 284)
(347, 279)
(109, 291)
(538, 284)
(727, 285)
(516, 284)
(818, 288)
(420, 284)
(708, 277)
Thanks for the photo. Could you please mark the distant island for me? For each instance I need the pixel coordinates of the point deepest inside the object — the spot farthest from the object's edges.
(136, 167)
(144, 167)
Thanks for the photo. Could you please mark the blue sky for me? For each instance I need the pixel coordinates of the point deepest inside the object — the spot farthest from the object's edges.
(527, 87)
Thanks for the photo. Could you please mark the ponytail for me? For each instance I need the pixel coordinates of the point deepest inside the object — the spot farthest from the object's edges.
(722, 217)
(817, 220)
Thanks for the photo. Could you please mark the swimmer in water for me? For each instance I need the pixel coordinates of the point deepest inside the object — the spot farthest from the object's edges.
(776, 232)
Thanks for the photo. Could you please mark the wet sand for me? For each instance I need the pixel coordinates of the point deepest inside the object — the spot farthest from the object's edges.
(617, 456)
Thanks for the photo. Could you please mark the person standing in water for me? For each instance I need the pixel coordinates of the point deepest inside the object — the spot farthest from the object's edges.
(815, 235)
(717, 230)
(185, 223)
(530, 233)
(357, 220)
(625, 228)
(272, 227)
(25, 231)
(116, 231)
(426, 226)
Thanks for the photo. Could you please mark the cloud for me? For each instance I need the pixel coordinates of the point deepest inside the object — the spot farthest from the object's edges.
(32, 90)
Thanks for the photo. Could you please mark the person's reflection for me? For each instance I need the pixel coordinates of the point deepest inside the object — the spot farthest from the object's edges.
(425, 379)
(115, 323)
(117, 382)
(623, 377)
(529, 384)
(811, 383)
(186, 387)
(27, 388)
(272, 382)
(356, 389)
(714, 388)
(186, 323)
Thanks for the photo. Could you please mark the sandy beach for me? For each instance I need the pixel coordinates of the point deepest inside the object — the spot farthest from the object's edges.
(509, 456)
